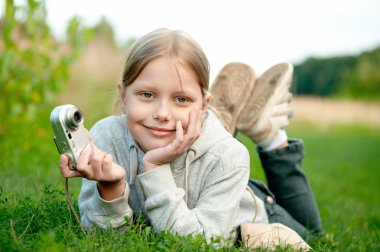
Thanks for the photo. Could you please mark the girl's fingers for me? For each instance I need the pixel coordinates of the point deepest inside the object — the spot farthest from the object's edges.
(89, 135)
(84, 158)
(190, 127)
(198, 121)
(193, 130)
(92, 144)
(107, 167)
(179, 131)
(92, 164)
(203, 116)
(64, 166)
(97, 156)
(175, 145)
(63, 161)
(107, 163)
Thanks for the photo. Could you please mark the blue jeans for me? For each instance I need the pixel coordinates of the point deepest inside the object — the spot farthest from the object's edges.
(288, 198)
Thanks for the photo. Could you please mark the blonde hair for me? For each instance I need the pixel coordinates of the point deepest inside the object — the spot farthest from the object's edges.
(176, 44)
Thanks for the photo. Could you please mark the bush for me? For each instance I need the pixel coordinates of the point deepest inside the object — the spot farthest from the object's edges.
(34, 66)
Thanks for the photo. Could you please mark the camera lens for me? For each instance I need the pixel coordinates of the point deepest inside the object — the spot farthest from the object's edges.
(73, 118)
(77, 116)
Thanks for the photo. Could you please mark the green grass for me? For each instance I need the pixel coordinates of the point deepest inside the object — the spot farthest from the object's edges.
(343, 165)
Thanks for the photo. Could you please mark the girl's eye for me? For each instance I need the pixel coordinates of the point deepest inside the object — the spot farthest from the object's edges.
(147, 95)
(181, 99)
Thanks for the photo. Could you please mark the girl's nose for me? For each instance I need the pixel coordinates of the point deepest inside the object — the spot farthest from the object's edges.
(162, 112)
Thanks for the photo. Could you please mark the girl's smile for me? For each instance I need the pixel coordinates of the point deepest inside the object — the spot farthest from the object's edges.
(159, 132)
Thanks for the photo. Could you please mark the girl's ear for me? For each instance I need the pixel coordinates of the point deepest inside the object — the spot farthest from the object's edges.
(206, 101)
(122, 97)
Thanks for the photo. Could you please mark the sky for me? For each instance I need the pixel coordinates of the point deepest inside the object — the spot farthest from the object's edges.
(257, 32)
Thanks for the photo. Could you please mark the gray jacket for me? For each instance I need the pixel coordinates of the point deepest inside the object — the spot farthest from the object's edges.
(204, 191)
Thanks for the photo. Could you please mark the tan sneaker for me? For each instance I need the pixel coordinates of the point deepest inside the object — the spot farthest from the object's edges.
(271, 236)
(230, 92)
(267, 109)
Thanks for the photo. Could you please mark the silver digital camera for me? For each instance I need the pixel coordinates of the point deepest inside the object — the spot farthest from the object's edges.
(70, 135)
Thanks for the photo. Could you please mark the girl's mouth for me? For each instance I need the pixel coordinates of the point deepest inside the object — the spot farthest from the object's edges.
(157, 131)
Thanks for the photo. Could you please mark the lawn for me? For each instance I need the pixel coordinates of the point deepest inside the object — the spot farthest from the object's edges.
(342, 163)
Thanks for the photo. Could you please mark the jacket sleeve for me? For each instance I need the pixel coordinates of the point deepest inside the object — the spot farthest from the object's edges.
(215, 212)
(94, 210)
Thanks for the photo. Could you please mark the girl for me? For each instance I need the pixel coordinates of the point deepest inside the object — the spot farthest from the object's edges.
(168, 158)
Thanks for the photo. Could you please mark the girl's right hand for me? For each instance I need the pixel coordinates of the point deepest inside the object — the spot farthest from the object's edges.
(179, 145)
(94, 164)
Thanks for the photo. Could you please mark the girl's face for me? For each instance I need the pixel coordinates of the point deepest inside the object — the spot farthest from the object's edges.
(156, 100)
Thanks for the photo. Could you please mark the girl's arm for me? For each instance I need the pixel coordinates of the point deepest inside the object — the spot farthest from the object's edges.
(216, 209)
(103, 200)
(96, 211)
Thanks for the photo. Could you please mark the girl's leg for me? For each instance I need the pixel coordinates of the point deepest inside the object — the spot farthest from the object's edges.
(287, 181)
(275, 212)
(264, 112)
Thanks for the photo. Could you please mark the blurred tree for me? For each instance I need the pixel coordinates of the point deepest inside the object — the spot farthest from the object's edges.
(34, 66)
(348, 76)
(322, 76)
(364, 80)
(103, 30)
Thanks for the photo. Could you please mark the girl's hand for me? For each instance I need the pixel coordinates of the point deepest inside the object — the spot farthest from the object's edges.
(179, 145)
(94, 164)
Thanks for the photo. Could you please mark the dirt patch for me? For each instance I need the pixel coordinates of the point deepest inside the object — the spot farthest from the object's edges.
(326, 112)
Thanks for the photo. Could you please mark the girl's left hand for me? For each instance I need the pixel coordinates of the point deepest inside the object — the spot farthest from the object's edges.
(179, 145)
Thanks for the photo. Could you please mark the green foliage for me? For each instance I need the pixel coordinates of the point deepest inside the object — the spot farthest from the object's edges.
(25, 221)
(46, 224)
(364, 80)
(321, 76)
(348, 76)
(34, 66)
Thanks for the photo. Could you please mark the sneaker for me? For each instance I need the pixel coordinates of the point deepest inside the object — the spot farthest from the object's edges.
(270, 237)
(230, 92)
(268, 107)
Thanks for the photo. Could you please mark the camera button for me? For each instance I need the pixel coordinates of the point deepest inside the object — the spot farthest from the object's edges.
(74, 147)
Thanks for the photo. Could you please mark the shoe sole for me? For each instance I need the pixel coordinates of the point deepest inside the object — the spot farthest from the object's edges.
(275, 80)
(230, 92)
